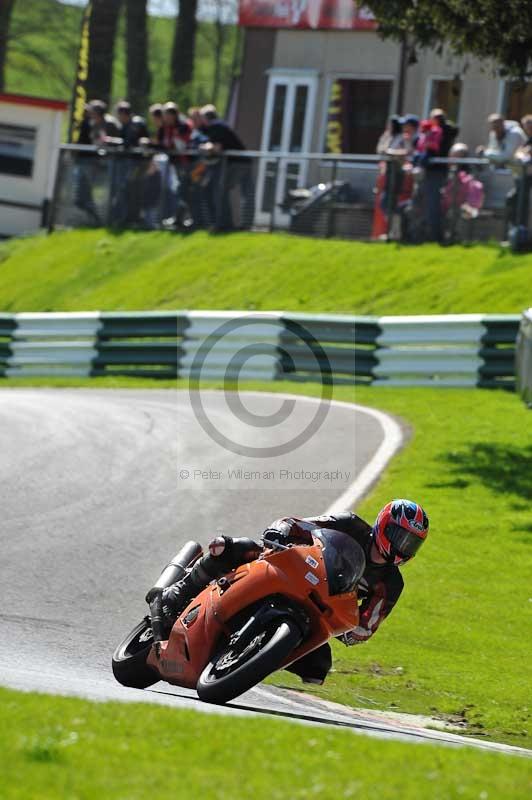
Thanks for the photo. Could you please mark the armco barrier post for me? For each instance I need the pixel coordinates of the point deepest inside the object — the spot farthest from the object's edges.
(523, 358)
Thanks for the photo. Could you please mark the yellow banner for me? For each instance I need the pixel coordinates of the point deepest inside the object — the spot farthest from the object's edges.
(334, 120)
(79, 95)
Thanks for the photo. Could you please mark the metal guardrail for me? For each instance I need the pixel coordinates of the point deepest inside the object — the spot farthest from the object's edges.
(353, 196)
(448, 350)
(523, 359)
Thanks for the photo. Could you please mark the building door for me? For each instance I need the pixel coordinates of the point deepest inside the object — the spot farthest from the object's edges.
(287, 129)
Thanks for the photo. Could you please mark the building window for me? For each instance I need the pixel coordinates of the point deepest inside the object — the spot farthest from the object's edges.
(357, 114)
(517, 99)
(446, 94)
(17, 150)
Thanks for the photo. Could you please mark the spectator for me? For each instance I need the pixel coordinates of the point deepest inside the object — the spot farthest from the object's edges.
(505, 137)
(133, 130)
(235, 172)
(175, 131)
(518, 199)
(449, 131)
(132, 133)
(104, 127)
(392, 136)
(83, 172)
(151, 186)
(462, 191)
(410, 132)
(156, 116)
(390, 172)
(429, 140)
(526, 122)
(435, 175)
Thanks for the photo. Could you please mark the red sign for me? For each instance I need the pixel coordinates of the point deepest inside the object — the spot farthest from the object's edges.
(306, 14)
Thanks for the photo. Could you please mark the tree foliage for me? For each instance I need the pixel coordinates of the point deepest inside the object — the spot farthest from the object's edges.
(495, 30)
(6, 9)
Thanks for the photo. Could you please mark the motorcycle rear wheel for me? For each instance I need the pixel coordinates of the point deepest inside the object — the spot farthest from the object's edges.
(229, 674)
(129, 659)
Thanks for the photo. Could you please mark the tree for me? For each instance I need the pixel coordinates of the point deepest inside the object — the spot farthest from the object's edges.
(6, 7)
(103, 25)
(500, 32)
(184, 45)
(138, 72)
(219, 34)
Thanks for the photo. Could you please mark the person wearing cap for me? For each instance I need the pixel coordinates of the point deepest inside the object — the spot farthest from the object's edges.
(505, 137)
(410, 131)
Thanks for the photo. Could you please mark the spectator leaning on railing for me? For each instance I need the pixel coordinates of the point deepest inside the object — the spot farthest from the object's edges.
(505, 137)
(236, 172)
(133, 129)
(104, 127)
(175, 131)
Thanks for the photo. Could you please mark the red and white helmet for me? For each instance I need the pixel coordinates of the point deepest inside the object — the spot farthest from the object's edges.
(400, 529)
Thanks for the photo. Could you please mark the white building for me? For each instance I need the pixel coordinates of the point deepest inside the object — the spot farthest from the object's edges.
(30, 133)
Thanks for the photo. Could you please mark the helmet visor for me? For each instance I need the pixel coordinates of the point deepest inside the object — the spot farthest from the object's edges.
(403, 541)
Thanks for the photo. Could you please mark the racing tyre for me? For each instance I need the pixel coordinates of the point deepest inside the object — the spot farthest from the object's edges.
(231, 672)
(129, 658)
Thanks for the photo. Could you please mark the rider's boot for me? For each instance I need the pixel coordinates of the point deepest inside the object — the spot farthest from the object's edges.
(225, 553)
(177, 597)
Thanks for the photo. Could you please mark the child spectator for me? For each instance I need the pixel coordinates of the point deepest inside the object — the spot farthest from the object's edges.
(429, 140)
(462, 190)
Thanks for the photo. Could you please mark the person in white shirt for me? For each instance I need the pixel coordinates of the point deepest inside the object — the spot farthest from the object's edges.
(505, 137)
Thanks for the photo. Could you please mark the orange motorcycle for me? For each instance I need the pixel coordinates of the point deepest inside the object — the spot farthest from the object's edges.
(257, 619)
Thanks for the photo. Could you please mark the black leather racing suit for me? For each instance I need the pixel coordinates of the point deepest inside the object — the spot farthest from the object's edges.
(378, 590)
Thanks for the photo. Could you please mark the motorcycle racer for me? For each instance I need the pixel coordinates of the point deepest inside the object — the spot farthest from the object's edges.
(399, 531)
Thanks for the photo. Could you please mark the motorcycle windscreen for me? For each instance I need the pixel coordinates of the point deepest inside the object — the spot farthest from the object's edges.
(344, 559)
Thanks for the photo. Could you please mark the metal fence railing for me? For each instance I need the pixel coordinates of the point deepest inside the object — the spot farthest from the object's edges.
(464, 350)
(355, 196)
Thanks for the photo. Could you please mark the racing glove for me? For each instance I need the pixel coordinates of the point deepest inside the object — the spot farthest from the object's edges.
(287, 531)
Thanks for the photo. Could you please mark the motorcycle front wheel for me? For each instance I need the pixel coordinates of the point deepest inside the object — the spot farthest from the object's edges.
(232, 671)
(129, 659)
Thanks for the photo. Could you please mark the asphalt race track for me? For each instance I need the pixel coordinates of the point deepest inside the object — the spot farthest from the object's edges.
(100, 488)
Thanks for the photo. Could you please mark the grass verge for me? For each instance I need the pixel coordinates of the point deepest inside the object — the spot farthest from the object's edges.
(456, 646)
(97, 269)
(55, 747)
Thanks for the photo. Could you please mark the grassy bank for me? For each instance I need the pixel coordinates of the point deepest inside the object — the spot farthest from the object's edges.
(96, 269)
(457, 644)
(56, 747)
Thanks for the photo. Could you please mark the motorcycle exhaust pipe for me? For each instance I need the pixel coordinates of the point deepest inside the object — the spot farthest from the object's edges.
(176, 569)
